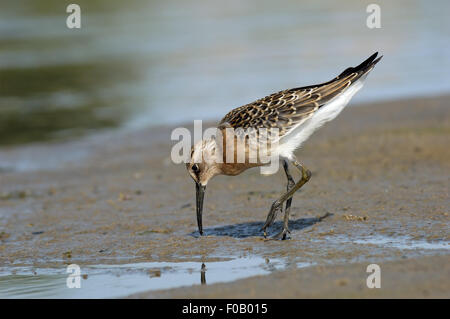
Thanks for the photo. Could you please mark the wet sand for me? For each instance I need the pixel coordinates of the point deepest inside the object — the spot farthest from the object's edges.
(378, 194)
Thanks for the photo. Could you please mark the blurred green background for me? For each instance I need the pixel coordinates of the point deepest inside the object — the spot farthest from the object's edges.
(138, 63)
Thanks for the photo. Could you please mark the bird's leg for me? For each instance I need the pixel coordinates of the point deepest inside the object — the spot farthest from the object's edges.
(270, 218)
(276, 205)
(291, 183)
(273, 213)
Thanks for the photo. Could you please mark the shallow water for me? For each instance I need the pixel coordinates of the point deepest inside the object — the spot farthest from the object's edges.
(109, 281)
(402, 243)
(144, 63)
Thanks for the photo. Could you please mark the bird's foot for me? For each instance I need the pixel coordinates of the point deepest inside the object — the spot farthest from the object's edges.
(282, 235)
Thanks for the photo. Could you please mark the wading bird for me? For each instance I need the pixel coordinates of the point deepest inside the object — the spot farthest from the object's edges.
(296, 113)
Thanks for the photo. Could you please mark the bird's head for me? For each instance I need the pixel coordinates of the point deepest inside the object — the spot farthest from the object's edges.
(203, 166)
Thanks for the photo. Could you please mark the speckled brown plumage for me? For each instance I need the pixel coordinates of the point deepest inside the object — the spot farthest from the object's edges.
(285, 109)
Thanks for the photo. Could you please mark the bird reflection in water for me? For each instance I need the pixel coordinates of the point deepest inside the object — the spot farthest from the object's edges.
(203, 274)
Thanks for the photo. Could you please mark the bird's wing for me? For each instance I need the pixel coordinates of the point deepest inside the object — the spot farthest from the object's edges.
(286, 109)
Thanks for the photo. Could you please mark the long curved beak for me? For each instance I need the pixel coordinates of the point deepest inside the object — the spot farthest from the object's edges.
(200, 194)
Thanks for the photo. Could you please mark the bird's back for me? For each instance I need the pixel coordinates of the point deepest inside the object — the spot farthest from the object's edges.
(299, 111)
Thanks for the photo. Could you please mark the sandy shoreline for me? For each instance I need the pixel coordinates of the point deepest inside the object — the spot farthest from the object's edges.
(380, 172)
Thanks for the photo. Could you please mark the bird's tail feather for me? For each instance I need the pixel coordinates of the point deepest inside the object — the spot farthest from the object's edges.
(363, 68)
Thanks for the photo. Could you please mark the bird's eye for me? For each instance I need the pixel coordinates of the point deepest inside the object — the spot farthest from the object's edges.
(195, 168)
